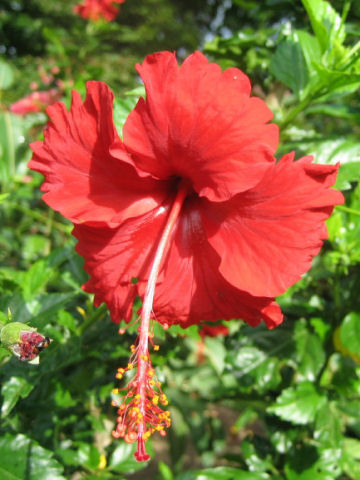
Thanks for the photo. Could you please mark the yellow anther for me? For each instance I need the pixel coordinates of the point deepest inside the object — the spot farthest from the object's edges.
(130, 366)
(132, 348)
(159, 427)
(155, 400)
(151, 372)
(119, 376)
(121, 370)
(152, 382)
(114, 403)
(156, 348)
(115, 391)
(137, 396)
(136, 410)
(146, 435)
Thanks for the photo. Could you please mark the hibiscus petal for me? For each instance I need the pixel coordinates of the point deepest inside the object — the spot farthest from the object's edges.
(82, 180)
(201, 124)
(118, 259)
(276, 228)
(191, 289)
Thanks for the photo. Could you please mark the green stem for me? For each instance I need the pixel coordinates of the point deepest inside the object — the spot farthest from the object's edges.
(348, 210)
(38, 216)
(92, 319)
(294, 112)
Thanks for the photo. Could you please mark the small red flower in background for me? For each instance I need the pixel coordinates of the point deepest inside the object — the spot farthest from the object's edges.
(209, 331)
(213, 331)
(36, 102)
(96, 9)
(190, 210)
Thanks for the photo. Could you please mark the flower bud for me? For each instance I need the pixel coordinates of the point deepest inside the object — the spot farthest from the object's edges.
(23, 341)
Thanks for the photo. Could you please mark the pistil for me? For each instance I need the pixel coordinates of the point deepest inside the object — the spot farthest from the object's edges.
(140, 414)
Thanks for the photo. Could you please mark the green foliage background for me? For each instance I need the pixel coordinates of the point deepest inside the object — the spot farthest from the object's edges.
(279, 405)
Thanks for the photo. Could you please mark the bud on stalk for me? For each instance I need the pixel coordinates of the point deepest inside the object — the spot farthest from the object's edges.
(23, 341)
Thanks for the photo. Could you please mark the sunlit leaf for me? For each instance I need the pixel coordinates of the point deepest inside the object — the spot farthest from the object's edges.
(12, 390)
(23, 458)
(350, 333)
(288, 65)
(6, 75)
(326, 23)
(299, 404)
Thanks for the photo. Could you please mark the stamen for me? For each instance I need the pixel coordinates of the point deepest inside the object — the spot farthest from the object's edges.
(139, 413)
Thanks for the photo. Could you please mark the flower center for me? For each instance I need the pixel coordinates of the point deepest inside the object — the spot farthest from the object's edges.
(140, 414)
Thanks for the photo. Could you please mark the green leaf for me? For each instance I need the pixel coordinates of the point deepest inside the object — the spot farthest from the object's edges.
(348, 172)
(88, 455)
(337, 81)
(6, 75)
(3, 196)
(308, 463)
(350, 460)
(341, 110)
(253, 460)
(35, 278)
(350, 333)
(246, 417)
(45, 306)
(326, 23)
(23, 458)
(310, 352)
(288, 65)
(216, 352)
(11, 136)
(220, 473)
(122, 459)
(310, 48)
(255, 369)
(12, 391)
(328, 426)
(122, 107)
(165, 471)
(298, 405)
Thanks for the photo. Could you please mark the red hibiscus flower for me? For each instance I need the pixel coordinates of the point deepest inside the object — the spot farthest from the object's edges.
(35, 102)
(96, 9)
(213, 331)
(189, 210)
